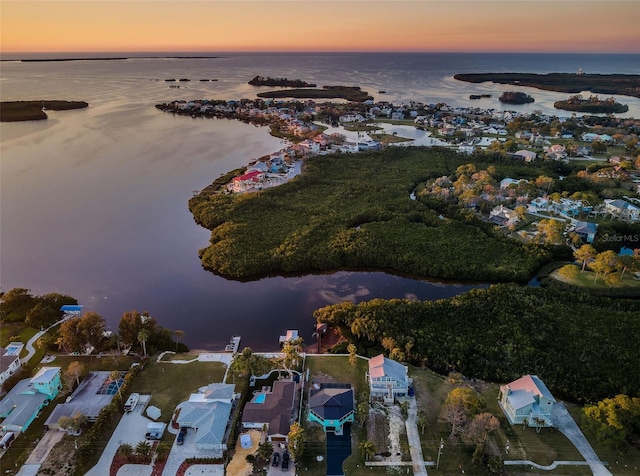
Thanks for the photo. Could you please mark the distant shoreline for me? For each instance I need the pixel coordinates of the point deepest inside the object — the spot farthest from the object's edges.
(108, 58)
(17, 111)
(622, 84)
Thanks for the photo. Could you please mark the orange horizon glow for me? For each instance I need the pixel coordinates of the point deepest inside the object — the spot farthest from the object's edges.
(214, 26)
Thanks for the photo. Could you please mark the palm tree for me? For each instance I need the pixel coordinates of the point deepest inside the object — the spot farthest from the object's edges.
(125, 450)
(179, 335)
(162, 450)
(367, 449)
(143, 448)
(115, 376)
(143, 335)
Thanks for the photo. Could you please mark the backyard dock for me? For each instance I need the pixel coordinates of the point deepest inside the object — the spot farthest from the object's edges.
(233, 344)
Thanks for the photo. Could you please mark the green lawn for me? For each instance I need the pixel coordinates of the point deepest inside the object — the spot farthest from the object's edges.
(587, 279)
(170, 384)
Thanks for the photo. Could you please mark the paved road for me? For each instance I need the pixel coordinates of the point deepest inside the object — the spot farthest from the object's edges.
(131, 429)
(563, 421)
(29, 345)
(419, 468)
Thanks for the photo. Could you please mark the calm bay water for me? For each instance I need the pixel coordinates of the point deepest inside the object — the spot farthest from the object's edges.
(94, 201)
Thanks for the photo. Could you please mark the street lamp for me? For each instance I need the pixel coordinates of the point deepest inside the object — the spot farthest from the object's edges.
(439, 452)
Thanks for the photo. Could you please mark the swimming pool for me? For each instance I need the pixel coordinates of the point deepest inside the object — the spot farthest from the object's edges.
(259, 398)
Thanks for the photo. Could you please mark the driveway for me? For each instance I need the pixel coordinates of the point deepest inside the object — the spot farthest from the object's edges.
(419, 468)
(131, 429)
(563, 421)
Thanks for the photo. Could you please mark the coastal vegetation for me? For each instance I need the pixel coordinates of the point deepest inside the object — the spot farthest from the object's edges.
(515, 97)
(290, 83)
(505, 331)
(355, 211)
(15, 111)
(350, 93)
(592, 105)
(621, 84)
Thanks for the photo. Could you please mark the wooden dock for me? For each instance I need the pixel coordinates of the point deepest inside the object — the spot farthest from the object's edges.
(233, 344)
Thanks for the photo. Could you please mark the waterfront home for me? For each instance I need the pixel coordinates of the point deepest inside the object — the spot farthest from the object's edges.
(95, 392)
(25, 400)
(9, 360)
(273, 408)
(556, 152)
(208, 413)
(387, 379)
(503, 216)
(506, 182)
(246, 182)
(527, 401)
(591, 137)
(332, 405)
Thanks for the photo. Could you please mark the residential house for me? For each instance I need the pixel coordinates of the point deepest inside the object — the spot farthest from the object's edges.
(526, 155)
(527, 401)
(503, 216)
(387, 379)
(622, 209)
(95, 392)
(9, 360)
(23, 403)
(557, 152)
(208, 413)
(332, 405)
(248, 181)
(586, 231)
(273, 408)
(506, 182)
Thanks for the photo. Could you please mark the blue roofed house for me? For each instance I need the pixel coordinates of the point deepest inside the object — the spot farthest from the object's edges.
(586, 230)
(23, 403)
(208, 413)
(387, 379)
(332, 405)
(527, 401)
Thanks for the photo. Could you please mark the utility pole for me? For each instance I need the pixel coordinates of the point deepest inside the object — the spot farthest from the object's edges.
(506, 449)
(439, 452)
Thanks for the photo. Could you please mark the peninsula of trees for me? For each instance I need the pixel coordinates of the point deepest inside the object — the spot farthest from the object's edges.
(622, 84)
(355, 211)
(15, 111)
(592, 105)
(290, 83)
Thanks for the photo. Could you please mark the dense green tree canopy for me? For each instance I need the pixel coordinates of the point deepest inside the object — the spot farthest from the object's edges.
(582, 346)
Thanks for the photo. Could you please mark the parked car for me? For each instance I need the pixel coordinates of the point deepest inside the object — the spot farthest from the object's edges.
(276, 459)
(181, 435)
(285, 461)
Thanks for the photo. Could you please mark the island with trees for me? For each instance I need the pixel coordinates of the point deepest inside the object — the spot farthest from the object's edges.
(593, 105)
(15, 111)
(350, 93)
(272, 82)
(620, 84)
(515, 97)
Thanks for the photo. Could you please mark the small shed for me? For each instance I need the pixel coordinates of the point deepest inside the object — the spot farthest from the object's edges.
(153, 412)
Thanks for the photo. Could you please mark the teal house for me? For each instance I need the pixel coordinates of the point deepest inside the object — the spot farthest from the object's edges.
(527, 401)
(332, 405)
(23, 403)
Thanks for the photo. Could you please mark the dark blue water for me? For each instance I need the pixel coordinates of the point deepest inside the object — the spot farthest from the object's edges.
(94, 202)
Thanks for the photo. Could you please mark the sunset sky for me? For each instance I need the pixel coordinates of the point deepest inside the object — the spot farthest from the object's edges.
(586, 26)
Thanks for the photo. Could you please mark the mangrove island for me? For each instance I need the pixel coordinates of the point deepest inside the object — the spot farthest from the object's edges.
(350, 93)
(15, 111)
(515, 97)
(592, 105)
(622, 84)
(272, 82)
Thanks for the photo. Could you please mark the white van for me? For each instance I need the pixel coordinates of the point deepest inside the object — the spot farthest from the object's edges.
(6, 440)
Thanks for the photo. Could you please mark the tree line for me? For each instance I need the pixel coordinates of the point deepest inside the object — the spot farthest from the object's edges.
(581, 345)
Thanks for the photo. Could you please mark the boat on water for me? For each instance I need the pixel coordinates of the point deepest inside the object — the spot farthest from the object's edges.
(382, 91)
(233, 344)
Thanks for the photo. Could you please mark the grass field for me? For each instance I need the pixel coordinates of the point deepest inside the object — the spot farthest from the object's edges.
(170, 384)
(587, 280)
